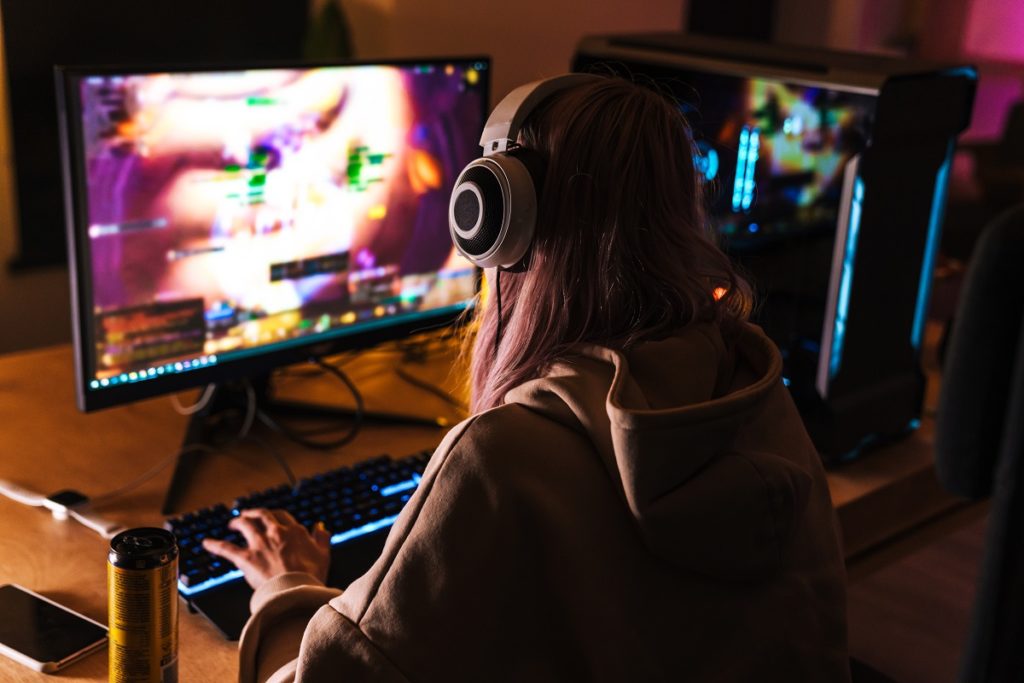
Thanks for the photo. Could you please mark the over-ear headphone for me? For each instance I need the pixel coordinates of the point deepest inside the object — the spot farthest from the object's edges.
(493, 208)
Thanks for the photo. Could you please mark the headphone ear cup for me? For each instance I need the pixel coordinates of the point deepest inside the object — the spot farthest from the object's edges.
(534, 163)
(493, 211)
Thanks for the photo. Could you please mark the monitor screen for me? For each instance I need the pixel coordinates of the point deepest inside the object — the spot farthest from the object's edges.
(223, 217)
(774, 151)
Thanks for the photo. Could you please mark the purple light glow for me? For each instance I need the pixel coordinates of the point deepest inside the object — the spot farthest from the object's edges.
(995, 29)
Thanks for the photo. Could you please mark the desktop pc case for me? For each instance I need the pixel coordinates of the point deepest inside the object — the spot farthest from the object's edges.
(826, 174)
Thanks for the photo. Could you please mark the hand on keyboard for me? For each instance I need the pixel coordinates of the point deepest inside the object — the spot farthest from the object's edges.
(355, 503)
(275, 543)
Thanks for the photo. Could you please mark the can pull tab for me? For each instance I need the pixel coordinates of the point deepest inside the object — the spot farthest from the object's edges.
(140, 542)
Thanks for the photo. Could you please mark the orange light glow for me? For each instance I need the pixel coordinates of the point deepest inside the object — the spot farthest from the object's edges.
(719, 292)
(424, 171)
(127, 129)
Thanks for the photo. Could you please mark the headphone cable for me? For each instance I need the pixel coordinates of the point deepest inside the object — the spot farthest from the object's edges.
(497, 302)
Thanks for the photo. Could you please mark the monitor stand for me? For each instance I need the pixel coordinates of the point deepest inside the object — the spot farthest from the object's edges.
(204, 431)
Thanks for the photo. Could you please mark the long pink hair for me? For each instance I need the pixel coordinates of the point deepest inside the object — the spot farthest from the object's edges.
(622, 252)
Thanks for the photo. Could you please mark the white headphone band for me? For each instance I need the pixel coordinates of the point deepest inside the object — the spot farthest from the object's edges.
(503, 124)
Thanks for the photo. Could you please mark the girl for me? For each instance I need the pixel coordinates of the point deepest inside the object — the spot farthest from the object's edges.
(635, 497)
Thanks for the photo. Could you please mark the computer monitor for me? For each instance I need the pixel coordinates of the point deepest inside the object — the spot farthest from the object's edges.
(223, 222)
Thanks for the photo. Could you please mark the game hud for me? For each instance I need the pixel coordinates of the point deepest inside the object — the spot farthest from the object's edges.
(232, 211)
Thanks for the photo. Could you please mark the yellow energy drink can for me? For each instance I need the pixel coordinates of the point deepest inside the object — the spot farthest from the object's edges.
(142, 577)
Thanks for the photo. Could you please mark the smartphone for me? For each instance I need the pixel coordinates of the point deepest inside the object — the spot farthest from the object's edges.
(43, 635)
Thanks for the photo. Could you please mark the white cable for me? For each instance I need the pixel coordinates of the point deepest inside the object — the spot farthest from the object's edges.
(21, 494)
(250, 411)
(195, 407)
(80, 510)
(91, 520)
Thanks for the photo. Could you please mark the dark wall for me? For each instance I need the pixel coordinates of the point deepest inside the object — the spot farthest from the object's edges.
(743, 19)
(41, 33)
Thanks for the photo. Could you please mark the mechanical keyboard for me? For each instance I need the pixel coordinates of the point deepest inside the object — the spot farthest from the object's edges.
(355, 503)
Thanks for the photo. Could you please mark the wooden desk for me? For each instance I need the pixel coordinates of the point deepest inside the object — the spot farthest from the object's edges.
(46, 445)
(889, 492)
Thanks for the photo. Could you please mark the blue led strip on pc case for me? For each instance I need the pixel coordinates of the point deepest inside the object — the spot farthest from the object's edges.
(752, 157)
(846, 279)
(931, 248)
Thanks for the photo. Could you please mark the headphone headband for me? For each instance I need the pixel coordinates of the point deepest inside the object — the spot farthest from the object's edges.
(503, 124)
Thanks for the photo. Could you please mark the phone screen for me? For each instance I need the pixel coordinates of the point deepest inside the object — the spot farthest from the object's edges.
(41, 630)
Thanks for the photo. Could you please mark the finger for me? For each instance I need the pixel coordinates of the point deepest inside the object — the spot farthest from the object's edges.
(321, 536)
(251, 529)
(273, 521)
(283, 517)
(261, 515)
(229, 551)
(240, 557)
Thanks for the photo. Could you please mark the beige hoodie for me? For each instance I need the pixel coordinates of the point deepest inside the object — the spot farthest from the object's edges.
(655, 515)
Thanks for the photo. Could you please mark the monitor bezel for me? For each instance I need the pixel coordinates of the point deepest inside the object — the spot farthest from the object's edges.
(79, 255)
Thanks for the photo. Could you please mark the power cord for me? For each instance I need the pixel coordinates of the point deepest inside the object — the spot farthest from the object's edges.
(250, 411)
(434, 389)
(301, 438)
(278, 457)
(204, 399)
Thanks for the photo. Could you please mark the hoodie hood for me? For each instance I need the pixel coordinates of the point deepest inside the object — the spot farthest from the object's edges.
(673, 421)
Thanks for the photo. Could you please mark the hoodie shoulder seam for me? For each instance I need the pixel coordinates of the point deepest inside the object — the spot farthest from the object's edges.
(373, 646)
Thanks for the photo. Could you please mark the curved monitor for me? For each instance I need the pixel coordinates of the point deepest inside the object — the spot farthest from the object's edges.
(222, 221)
